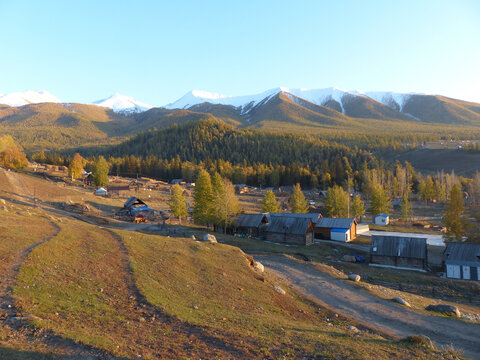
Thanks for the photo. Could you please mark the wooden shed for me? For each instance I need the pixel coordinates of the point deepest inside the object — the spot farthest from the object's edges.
(408, 253)
(312, 216)
(462, 261)
(251, 224)
(340, 229)
(290, 230)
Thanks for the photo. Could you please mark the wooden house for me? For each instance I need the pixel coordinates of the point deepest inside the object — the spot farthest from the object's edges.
(115, 189)
(312, 216)
(251, 224)
(292, 230)
(462, 261)
(339, 229)
(408, 253)
(134, 206)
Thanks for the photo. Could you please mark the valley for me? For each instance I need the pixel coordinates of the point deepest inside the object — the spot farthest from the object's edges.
(87, 284)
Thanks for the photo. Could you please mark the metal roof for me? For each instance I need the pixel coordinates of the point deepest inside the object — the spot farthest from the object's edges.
(250, 220)
(408, 247)
(312, 216)
(133, 201)
(289, 225)
(462, 254)
(342, 223)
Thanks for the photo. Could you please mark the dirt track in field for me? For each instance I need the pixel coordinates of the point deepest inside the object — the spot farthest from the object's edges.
(388, 317)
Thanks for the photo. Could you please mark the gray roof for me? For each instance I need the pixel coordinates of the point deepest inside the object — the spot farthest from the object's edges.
(250, 220)
(408, 247)
(312, 216)
(342, 223)
(133, 201)
(462, 254)
(289, 225)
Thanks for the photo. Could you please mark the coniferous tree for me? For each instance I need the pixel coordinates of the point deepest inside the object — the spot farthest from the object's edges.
(202, 199)
(452, 218)
(76, 166)
(336, 203)
(100, 172)
(297, 201)
(178, 203)
(225, 204)
(405, 207)
(379, 203)
(357, 208)
(270, 204)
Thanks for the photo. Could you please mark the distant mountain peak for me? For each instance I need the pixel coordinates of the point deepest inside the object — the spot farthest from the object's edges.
(28, 97)
(122, 103)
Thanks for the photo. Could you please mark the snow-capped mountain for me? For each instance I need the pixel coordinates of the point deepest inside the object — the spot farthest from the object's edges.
(28, 97)
(122, 103)
(196, 97)
(315, 96)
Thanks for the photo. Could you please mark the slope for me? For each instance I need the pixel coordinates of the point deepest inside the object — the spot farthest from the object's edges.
(440, 109)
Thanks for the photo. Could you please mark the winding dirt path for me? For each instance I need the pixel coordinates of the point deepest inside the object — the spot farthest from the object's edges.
(203, 337)
(388, 317)
(20, 324)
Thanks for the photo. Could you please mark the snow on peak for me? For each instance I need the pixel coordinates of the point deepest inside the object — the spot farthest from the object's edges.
(28, 97)
(197, 97)
(122, 103)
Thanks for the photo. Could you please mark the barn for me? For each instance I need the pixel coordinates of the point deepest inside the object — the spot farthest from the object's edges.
(462, 261)
(251, 224)
(292, 230)
(339, 229)
(312, 216)
(115, 189)
(134, 206)
(408, 253)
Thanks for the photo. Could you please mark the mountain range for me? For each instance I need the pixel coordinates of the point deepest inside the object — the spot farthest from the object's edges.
(41, 120)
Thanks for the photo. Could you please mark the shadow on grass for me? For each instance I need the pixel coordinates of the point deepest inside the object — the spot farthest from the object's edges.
(103, 207)
(11, 354)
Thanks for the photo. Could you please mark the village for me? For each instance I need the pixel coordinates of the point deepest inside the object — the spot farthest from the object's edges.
(377, 258)
(419, 247)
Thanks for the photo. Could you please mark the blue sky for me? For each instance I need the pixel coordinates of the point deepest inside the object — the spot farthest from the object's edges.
(156, 51)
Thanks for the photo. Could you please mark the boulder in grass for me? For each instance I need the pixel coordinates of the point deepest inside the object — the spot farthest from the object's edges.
(401, 301)
(193, 238)
(353, 329)
(444, 309)
(354, 277)
(210, 238)
(349, 258)
(258, 267)
(279, 290)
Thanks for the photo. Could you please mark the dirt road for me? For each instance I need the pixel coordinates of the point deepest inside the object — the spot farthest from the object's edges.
(388, 317)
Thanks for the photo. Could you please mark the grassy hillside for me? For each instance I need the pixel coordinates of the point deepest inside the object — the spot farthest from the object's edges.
(90, 292)
(440, 109)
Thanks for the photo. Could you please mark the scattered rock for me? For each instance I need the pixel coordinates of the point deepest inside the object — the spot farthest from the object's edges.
(194, 238)
(195, 307)
(353, 329)
(420, 340)
(349, 258)
(399, 300)
(258, 266)
(279, 290)
(354, 277)
(141, 319)
(445, 309)
(210, 238)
